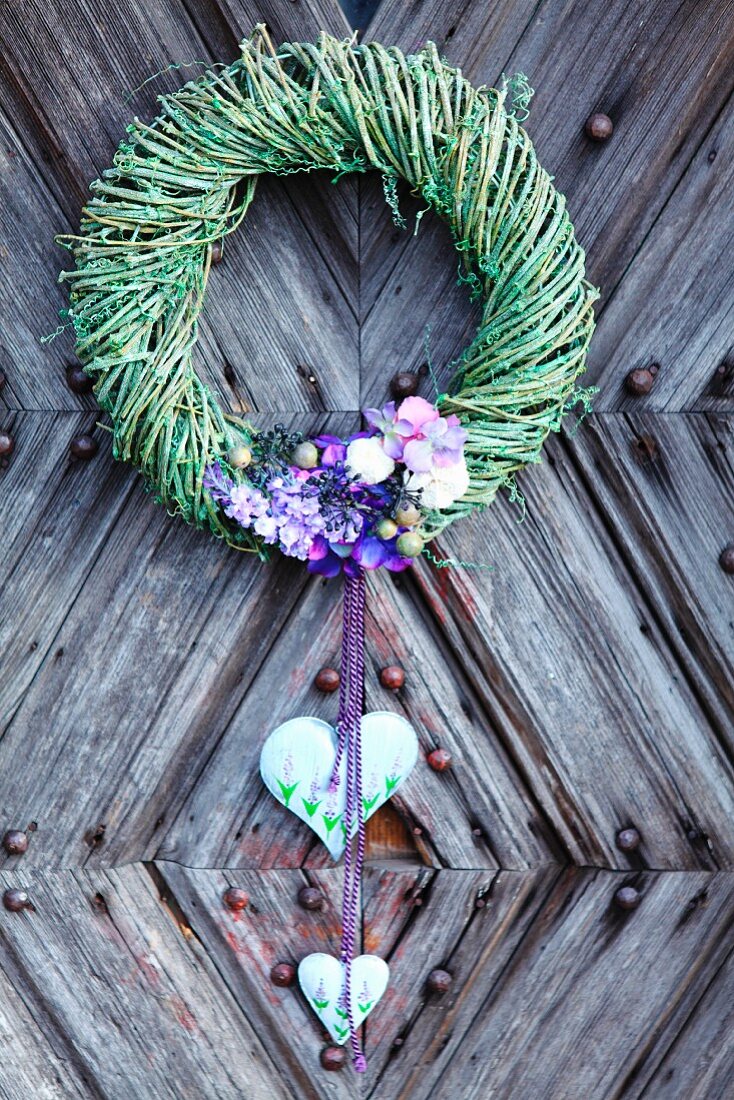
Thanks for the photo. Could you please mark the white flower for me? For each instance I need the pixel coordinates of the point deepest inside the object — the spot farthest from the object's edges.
(440, 486)
(367, 460)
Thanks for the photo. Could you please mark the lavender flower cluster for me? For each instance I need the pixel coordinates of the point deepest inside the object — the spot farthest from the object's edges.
(347, 504)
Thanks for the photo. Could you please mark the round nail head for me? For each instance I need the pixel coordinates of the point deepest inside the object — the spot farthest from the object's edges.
(218, 251)
(7, 444)
(404, 384)
(78, 380)
(333, 1058)
(84, 447)
(310, 898)
(15, 900)
(235, 899)
(599, 127)
(627, 897)
(392, 677)
(439, 981)
(627, 840)
(726, 559)
(327, 680)
(15, 842)
(639, 382)
(283, 974)
(439, 760)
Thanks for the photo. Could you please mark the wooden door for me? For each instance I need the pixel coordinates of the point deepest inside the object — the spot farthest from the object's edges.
(583, 685)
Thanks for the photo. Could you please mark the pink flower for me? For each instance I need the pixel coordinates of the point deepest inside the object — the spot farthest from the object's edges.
(418, 412)
(440, 444)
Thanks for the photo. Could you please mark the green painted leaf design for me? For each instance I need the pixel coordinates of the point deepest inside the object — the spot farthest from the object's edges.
(311, 807)
(366, 1006)
(369, 803)
(330, 822)
(341, 1012)
(321, 1005)
(342, 1032)
(287, 791)
(391, 784)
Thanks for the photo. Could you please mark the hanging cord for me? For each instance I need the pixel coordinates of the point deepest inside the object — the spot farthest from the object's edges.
(341, 722)
(354, 633)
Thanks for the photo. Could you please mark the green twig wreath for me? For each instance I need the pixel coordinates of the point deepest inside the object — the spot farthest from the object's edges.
(179, 185)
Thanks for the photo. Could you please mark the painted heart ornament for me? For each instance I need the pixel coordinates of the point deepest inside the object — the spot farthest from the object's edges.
(298, 758)
(322, 979)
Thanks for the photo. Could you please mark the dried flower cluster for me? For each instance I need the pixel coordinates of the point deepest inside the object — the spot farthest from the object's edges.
(347, 504)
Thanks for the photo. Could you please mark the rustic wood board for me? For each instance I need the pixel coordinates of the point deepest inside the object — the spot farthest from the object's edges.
(666, 487)
(624, 740)
(572, 1009)
(177, 628)
(684, 259)
(139, 1006)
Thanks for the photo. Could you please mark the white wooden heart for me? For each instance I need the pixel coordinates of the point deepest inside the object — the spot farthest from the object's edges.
(298, 757)
(321, 978)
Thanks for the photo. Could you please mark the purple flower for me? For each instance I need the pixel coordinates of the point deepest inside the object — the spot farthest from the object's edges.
(394, 432)
(329, 558)
(368, 552)
(334, 449)
(217, 484)
(245, 504)
(440, 444)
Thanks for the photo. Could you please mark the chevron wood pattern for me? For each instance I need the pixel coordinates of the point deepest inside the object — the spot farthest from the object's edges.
(582, 683)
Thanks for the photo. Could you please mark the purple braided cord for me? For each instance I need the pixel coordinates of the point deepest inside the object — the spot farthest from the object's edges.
(354, 632)
(344, 687)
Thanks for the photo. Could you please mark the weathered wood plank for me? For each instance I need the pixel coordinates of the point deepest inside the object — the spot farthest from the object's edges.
(29, 219)
(144, 671)
(33, 1063)
(595, 711)
(666, 487)
(57, 515)
(482, 790)
(675, 304)
(700, 1065)
(568, 1013)
(136, 997)
(274, 928)
(257, 333)
(632, 64)
(485, 940)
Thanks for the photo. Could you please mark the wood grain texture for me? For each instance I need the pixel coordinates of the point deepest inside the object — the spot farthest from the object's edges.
(594, 710)
(244, 947)
(675, 304)
(142, 666)
(572, 1010)
(700, 1064)
(126, 993)
(666, 487)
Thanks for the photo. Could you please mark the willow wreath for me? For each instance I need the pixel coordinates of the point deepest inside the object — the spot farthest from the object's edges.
(182, 183)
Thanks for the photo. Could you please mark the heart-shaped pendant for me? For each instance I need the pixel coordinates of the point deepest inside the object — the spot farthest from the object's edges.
(297, 760)
(321, 978)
